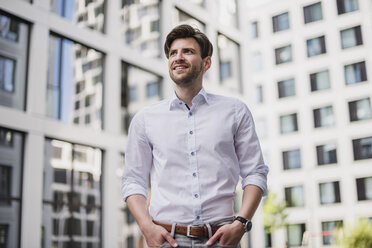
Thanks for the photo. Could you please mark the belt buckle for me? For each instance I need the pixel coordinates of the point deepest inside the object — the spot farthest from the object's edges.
(188, 232)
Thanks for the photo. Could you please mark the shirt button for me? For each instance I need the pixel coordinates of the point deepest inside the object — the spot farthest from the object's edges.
(190, 113)
(180, 103)
(194, 174)
(191, 132)
(197, 217)
(192, 153)
(196, 195)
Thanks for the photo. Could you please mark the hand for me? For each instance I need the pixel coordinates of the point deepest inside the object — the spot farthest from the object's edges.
(229, 234)
(156, 235)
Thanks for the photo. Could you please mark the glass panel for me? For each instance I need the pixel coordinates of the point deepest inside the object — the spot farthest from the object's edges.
(281, 22)
(229, 61)
(313, 12)
(254, 30)
(180, 17)
(86, 14)
(329, 193)
(355, 73)
(11, 165)
(75, 85)
(350, 5)
(328, 228)
(259, 94)
(323, 117)
(295, 196)
(286, 88)
(288, 123)
(315, 46)
(326, 154)
(320, 81)
(291, 159)
(294, 234)
(283, 54)
(362, 148)
(13, 61)
(351, 37)
(71, 195)
(227, 12)
(149, 89)
(141, 26)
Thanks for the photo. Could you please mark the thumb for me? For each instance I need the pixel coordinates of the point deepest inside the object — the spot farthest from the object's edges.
(214, 238)
(170, 240)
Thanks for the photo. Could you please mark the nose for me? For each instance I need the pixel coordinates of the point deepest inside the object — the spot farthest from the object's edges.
(179, 56)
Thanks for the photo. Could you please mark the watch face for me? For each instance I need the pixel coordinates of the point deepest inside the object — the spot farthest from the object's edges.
(248, 226)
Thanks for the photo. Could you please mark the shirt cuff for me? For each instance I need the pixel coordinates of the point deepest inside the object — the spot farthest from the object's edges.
(257, 179)
(133, 189)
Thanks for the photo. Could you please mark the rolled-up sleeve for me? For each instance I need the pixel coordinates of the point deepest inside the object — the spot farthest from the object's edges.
(138, 159)
(253, 170)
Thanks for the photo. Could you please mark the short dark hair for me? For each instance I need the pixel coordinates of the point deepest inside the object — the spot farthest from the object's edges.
(186, 31)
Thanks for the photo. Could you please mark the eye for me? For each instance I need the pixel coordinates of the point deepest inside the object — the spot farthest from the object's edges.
(189, 51)
(172, 53)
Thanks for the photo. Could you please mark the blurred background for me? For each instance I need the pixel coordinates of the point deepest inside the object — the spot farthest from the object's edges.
(74, 72)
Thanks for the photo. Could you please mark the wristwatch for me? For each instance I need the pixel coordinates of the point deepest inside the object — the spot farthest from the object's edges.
(246, 223)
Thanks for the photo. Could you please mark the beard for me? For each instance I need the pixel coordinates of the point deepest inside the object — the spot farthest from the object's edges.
(187, 78)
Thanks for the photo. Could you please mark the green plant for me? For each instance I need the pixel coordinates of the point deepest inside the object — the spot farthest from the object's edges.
(357, 236)
(274, 213)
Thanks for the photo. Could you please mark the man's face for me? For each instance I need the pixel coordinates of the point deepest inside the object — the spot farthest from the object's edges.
(185, 63)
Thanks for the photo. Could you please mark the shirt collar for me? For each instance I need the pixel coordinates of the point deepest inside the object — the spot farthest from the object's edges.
(174, 100)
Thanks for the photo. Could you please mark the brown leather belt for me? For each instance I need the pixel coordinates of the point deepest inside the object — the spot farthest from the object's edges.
(190, 230)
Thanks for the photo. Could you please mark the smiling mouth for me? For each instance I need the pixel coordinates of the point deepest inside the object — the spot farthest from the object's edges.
(180, 67)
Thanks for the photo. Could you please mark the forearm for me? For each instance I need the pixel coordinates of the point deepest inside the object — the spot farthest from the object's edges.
(138, 207)
(252, 196)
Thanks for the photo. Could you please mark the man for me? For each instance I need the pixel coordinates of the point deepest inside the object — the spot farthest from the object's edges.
(194, 145)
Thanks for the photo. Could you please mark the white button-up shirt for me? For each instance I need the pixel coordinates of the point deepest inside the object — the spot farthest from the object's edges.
(194, 156)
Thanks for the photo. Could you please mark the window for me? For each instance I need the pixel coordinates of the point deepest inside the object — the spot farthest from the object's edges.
(79, 14)
(286, 88)
(360, 109)
(319, 80)
(283, 54)
(326, 154)
(294, 196)
(135, 80)
(129, 217)
(288, 123)
(268, 239)
(364, 188)
(316, 46)
(152, 89)
(329, 193)
(140, 24)
(280, 22)
(323, 117)
(75, 208)
(11, 167)
(313, 12)
(345, 6)
(295, 233)
(229, 63)
(61, 79)
(14, 38)
(355, 73)
(362, 148)
(351, 37)
(254, 30)
(328, 227)
(291, 159)
(259, 94)
(130, 242)
(181, 17)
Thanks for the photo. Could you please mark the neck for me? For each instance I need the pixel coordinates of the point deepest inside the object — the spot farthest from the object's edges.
(186, 94)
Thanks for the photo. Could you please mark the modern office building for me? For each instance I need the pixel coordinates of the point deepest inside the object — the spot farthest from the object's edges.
(310, 78)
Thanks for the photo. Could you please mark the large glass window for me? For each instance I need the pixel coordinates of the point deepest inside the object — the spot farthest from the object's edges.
(148, 89)
(283, 54)
(362, 148)
(360, 109)
(316, 46)
(323, 117)
(329, 193)
(280, 22)
(291, 159)
(180, 17)
(259, 96)
(328, 228)
(295, 234)
(254, 30)
(11, 165)
(364, 188)
(227, 12)
(351, 37)
(14, 35)
(141, 26)
(355, 73)
(345, 6)
(294, 196)
(229, 60)
(319, 80)
(288, 123)
(88, 13)
(326, 154)
(72, 64)
(286, 88)
(71, 195)
(313, 12)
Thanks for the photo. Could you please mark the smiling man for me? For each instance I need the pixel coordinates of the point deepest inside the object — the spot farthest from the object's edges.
(193, 147)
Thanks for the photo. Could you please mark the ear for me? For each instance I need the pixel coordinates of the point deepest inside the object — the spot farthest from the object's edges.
(207, 61)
